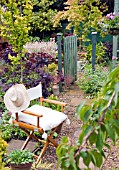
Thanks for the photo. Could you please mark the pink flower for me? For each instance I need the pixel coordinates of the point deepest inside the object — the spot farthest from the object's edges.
(114, 58)
(108, 15)
(112, 17)
(9, 113)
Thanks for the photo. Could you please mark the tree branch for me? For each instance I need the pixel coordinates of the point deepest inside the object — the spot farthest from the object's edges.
(90, 133)
(108, 105)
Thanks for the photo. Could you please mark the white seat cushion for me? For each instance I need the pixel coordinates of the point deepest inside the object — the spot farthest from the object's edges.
(50, 119)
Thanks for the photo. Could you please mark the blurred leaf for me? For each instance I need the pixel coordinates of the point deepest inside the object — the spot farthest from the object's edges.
(93, 138)
(87, 114)
(78, 109)
(87, 159)
(97, 157)
(88, 129)
(117, 87)
(111, 131)
(99, 142)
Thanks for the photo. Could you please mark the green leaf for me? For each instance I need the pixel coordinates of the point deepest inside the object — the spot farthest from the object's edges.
(114, 73)
(71, 158)
(81, 136)
(117, 130)
(83, 154)
(116, 98)
(99, 142)
(87, 114)
(116, 123)
(97, 158)
(108, 146)
(82, 113)
(111, 131)
(78, 109)
(88, 129)
(87, 159)
(117, 87)
(55, 134)
(65, 139)
(93, 138)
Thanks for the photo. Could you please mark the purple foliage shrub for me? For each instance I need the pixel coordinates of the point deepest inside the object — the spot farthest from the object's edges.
(33, 71)
(108, 50)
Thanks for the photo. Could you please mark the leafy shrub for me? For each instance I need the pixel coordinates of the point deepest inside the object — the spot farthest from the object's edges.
(33, 69)
(3, 147)
(52, 67)
(100, 53)
(20, 157)
(5, 50)
(91, 82)
(109, 49)
(53, 106)
(8, 130)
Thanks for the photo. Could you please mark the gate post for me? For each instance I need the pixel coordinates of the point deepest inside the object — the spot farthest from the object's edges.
(93, 50)
(115, 38)
(59, 38)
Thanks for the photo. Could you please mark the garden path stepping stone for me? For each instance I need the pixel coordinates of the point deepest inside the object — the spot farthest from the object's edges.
(17, 144)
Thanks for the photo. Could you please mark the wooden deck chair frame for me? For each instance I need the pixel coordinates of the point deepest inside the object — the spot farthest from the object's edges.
(30, 129)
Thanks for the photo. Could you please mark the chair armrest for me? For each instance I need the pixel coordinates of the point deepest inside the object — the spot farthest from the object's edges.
(54, 102)
(32, 113)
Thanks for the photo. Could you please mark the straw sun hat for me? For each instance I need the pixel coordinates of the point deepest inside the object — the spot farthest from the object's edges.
(16, 98)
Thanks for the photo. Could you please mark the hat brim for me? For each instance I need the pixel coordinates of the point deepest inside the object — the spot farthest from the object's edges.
(10, 105)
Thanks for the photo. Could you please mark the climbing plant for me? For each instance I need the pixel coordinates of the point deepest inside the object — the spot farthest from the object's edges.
(100, 122)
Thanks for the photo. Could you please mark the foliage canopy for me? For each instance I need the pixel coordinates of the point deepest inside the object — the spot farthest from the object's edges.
(83, 15)
(19, 18)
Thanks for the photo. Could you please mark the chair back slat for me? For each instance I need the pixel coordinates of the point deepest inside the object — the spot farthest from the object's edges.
(35, 92)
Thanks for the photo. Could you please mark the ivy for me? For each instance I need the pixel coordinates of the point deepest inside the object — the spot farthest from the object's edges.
(100, 122)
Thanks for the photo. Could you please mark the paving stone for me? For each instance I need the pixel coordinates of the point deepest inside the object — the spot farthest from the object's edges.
(17, 144)
(76, 101)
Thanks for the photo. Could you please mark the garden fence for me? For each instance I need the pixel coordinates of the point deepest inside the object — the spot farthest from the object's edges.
(70, 57)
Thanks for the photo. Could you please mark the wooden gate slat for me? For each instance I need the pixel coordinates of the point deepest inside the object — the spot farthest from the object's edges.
(70, 57)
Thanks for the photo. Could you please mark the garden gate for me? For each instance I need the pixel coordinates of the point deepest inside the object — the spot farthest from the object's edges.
(70, 57)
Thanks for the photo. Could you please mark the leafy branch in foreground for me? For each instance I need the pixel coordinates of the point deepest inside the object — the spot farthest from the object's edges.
(100, 123)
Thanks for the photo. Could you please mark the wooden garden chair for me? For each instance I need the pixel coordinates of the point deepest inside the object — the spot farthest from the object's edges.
(41, 119)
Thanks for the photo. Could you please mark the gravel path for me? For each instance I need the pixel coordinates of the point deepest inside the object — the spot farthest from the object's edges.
(73, 97)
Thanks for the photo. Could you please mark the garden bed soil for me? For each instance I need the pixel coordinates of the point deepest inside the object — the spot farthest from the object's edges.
(73, 98)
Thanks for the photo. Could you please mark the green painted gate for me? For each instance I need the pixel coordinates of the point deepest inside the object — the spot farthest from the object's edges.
(70, 57)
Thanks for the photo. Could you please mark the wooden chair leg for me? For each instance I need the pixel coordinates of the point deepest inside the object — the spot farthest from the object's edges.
(52, 141)
(42, 152)
(49, 140)
(33, 136)
(27, 140)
